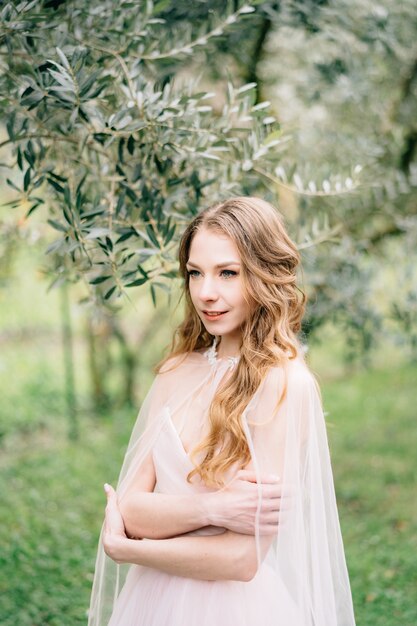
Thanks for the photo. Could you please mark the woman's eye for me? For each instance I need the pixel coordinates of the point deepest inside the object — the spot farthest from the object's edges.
(225, 273)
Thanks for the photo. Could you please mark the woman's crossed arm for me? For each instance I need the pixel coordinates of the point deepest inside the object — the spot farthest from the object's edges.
(228, 556)
(161, 516)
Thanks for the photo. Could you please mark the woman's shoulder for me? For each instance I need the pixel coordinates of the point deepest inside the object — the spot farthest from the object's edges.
(182, 361)
(299, 369)
(294, 366)
(292, 373)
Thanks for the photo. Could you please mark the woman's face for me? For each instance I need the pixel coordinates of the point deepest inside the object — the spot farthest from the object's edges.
(215, 282)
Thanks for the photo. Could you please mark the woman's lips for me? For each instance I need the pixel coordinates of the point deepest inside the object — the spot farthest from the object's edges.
(214, 315)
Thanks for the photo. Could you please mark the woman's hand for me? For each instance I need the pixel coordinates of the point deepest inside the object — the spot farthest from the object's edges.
(114, 535)
(234, 506)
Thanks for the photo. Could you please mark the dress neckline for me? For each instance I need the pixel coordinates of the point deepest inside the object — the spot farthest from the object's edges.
(181, 446)
(213, 358)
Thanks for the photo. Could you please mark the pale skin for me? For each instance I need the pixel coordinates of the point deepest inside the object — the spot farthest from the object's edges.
(229, 556)
(160, 519)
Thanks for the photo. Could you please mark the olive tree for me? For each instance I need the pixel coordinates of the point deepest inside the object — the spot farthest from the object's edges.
(124, 120)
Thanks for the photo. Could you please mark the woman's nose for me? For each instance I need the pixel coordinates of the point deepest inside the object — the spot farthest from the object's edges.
(208, 289)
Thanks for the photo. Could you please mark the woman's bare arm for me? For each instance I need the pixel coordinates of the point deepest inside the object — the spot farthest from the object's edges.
(162, 516)
(157, 515)
(228, 556)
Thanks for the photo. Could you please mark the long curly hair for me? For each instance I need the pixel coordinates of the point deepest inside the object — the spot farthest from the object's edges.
(269, 336)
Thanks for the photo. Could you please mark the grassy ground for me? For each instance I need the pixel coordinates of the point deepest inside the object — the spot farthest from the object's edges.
(373, 439)
(52, 499)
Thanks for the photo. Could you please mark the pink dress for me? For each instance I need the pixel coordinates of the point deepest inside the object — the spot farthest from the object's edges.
(302, 580)
(153, 598)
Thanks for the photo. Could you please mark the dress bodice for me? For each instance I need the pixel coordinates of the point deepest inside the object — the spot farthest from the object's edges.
(172, 466)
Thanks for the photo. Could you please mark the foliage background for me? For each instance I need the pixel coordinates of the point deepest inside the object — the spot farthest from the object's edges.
(106, 152)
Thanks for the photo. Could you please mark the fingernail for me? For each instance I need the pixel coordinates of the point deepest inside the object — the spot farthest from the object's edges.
(106, 487)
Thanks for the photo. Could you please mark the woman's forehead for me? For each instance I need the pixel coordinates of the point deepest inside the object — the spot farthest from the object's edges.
(213, 248)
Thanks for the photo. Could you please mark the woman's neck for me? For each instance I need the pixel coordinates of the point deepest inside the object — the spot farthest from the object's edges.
(228, 346)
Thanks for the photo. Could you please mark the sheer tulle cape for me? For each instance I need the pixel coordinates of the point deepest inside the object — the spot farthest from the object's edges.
(289, 440)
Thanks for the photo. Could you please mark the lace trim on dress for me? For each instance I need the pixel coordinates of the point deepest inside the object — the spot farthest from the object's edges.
(211, 354)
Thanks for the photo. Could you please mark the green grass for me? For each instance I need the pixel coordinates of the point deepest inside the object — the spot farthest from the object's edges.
(373, 437)
(52, 504)
(51, 488)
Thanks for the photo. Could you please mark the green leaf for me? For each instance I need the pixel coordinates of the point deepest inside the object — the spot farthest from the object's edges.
(67, 196)
(120, 149)
(29, 155)
(143, 271)
(56, 176)
(131, 144)
(153, 295)
(57, 225)
(136, 125)
(137, 282)
(125, 236)
(10, 125)
(33, 208)
(63, 58)
(26, 179)
(67, 215)
(246, 87)
(56, 246)
(19, 159)
(31, 98)
(151, 234)
(110, 291)
(169, 235)
(98, 280)
(160, 6)
(95, 233)
(12, 184)
(64, 80)
(120, 201)
(93, 213)
(55, 185)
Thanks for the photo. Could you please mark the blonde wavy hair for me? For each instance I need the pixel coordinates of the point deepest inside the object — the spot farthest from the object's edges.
(269, 337)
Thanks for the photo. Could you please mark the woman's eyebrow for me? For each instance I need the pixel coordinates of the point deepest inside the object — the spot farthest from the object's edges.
(218, 266)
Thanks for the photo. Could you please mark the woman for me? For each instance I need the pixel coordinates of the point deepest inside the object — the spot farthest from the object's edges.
(225, 513)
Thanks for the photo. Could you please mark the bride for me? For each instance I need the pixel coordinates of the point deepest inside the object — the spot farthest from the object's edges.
(225, 512)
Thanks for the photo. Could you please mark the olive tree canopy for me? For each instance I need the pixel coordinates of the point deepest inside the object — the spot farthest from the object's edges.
(125, 119)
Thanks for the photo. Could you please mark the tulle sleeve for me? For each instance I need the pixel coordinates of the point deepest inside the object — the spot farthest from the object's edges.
(287, 436)
(109, 576)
